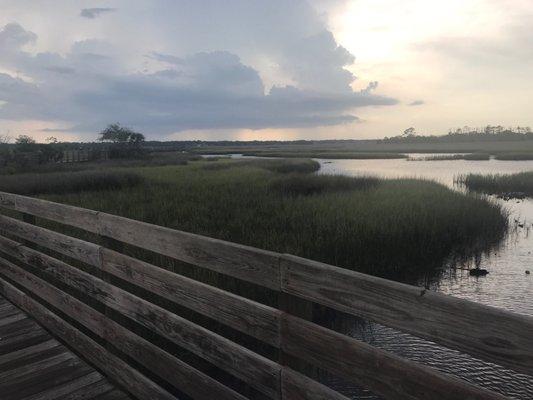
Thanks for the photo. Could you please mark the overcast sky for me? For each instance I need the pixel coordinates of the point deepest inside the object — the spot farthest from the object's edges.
(256, 69)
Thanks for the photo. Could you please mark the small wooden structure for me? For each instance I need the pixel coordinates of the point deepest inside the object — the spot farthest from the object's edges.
(115, 311)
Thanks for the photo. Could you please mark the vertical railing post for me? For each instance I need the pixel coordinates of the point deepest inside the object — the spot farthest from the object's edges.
(289, 305)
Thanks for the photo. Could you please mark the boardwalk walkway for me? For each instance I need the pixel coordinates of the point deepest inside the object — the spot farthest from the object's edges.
(35, 366)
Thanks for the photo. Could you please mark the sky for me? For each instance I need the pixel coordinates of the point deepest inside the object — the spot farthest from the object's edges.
(263, 70)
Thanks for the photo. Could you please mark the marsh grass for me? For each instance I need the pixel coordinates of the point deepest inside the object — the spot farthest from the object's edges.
(451, 157)
(514, 156)
(282, 166)
(306, 185)
(399, 229)
(391, 228)
(68, 182)
(499, 184)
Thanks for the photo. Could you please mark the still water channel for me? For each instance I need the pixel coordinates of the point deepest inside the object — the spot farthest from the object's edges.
(507, 286)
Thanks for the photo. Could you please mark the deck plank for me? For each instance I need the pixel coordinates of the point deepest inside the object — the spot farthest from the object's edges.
(35, 366)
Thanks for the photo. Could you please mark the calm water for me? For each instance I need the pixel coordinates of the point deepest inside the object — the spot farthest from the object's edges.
(507, 286)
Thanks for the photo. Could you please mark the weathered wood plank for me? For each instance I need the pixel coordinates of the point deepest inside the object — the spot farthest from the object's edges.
(247, 316)
(29, 369)
(242, 262)
(29, 354)
(62, 213)
(168, 367)
(69, 246)
(250, 317)
(481, 331)
(91, 391)
(295, 386)
(12, 318)
(111, 395)
(112, 366)
(23, 339)
(381, 372)
(44, 378)
(259, 373)
(86, 383)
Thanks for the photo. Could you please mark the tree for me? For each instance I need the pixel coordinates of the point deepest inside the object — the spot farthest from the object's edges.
(24, 140)
(409, 132)
(25, 143)
(116, 133)
(125, 141)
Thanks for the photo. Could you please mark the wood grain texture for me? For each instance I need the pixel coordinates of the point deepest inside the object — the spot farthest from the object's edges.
(242, 262)
(62, 213)
(484, 332)
(259, 372)
(250, 317)
(182, 376)
(295, 386)
(69, 246)
(112, 366)
(247, 316)
(45, 370)
(381, 372)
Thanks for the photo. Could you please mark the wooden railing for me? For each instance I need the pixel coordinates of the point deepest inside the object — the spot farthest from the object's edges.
(44, 272)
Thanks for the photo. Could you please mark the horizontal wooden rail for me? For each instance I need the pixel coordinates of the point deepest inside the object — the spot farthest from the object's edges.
(259, 373)
(168, 367)
(363, 363)
(163, 364)
(484, 332)
(247, 316)
(242, 262)
(406, 308)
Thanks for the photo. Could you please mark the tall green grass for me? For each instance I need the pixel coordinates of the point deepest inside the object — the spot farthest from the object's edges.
(499, 184)
(391, 228)
(68, 182)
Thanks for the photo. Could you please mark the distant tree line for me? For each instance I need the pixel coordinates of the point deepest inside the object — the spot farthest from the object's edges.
(467, 134)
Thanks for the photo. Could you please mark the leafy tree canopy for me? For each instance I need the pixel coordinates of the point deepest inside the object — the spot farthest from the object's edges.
(116, 133)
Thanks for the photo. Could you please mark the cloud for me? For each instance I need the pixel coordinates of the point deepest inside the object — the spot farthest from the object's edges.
(509, 48)
(417, 103)
(93, 13)
(14, 36)
(171, 90)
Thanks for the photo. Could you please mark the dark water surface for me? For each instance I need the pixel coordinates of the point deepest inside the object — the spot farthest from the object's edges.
(507, 286)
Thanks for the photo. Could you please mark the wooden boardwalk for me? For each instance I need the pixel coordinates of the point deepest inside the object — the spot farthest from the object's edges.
(104, 299)
(35, 366)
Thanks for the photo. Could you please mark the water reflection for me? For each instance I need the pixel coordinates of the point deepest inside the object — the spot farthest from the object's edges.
(507, 286)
